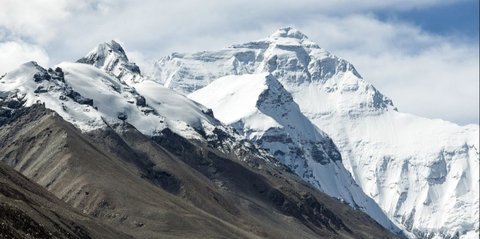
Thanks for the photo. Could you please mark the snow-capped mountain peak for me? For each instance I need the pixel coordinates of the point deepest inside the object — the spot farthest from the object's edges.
(298, 63)
(289, 37)
(423, 173)
(91, 99)
(265, 113)
(111, 57)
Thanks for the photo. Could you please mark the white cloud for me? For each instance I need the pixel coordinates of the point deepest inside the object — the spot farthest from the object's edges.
(15, 53)
(35, 19)
(41, 21)
(438, 83)
(44, 20)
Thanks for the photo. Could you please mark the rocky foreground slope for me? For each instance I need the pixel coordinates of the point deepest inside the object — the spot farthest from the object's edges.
(29, 211)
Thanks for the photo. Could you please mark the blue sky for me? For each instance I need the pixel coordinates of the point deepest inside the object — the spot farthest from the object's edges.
(422, 54)
(460, 18)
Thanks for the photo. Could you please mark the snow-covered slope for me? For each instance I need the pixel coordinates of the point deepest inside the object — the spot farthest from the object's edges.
(90, 98)
(266, 114)
(422, 172)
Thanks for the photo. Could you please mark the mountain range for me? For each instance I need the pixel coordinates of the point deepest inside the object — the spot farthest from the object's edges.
(275, 138)
(148, 162)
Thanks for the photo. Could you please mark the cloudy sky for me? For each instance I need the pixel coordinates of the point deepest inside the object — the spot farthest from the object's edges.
(422, 54)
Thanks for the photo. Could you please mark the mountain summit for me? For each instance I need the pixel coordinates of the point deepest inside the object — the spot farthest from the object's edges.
(110, 57)
(288, 55)
(288, 32)
(422, 172)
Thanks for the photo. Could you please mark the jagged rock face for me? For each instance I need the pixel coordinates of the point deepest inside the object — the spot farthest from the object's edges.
(171, 186)
(111, 57)
(423, 173)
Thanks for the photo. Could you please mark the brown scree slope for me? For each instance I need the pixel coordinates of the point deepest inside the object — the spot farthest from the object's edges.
(170, 187)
